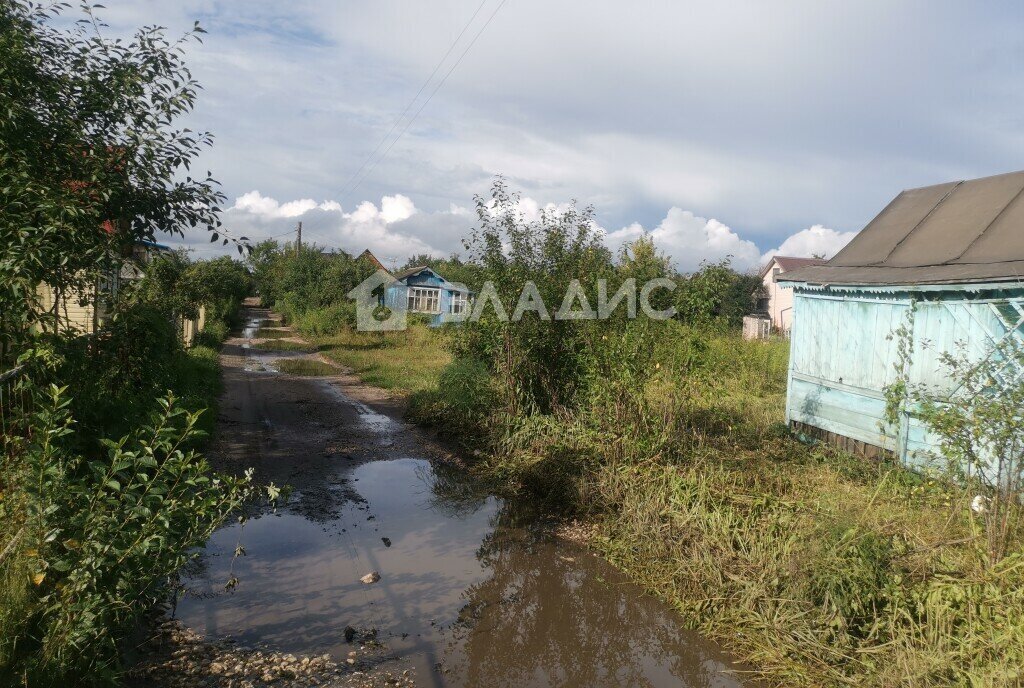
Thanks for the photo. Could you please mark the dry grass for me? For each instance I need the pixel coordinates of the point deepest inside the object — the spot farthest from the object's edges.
(282, 345)
(273, 333)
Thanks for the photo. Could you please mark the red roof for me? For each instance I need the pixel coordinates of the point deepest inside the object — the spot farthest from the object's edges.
(788, 263)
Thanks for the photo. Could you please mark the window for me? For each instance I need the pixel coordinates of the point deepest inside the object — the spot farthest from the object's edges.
(458, 302)
(775, 274)
(424, 300)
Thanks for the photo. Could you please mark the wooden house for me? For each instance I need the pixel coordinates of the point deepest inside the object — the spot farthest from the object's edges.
(772, 298)
(954, 253)
(421, 290)
(85, 311)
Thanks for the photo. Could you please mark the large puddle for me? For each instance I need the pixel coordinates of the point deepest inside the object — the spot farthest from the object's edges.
(465, 596)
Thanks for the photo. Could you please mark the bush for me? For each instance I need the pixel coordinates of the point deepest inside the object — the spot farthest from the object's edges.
(114, 375)
(213, 334)
(461, 401)
(103, 535)
(326, 321)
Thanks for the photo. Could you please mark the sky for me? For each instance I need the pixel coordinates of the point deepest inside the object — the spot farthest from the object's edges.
(721, 129)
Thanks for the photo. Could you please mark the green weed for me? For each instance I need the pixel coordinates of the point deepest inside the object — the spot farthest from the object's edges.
(305, 366)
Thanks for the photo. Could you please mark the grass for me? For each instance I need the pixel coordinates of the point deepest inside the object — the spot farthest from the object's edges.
(307, 367)
(405, 362)
(815, 567)
(273, 333)
(198, 383)
(282, 345)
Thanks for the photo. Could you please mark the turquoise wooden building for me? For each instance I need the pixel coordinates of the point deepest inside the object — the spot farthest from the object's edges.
(956, 250)
(422, 290)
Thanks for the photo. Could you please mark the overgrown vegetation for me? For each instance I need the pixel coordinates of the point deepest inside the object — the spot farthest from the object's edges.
(180, 289)
(407, 361)
(308, 287)
(975, 418)
(102, 494)
(102, 533)
(668, 437)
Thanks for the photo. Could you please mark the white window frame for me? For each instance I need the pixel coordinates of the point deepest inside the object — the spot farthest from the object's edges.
(424, 300)
(458, 303)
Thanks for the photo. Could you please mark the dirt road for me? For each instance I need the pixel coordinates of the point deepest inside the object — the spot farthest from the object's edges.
(460, 589)
(302, 431)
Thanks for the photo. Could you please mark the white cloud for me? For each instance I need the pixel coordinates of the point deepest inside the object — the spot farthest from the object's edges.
(395, 208)
(689, 239)
(813, 241)
(394, 229)
(268, 208)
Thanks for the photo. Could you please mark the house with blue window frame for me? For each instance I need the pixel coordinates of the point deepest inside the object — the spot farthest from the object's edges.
(422, 290)
(951, 253)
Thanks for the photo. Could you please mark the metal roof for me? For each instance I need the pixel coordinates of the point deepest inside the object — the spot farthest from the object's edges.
(409, 272)
(966, 231)
(788, 263)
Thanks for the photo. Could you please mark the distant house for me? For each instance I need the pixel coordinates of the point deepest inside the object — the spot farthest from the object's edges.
(772, 299)
(422, 290)
(956, 252)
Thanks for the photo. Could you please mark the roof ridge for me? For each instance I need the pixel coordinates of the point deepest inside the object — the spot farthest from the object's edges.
(988, 227)
(921, 221)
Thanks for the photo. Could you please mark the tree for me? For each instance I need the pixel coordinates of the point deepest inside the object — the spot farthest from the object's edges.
(715, 294)
(537, 358)
(90, 157)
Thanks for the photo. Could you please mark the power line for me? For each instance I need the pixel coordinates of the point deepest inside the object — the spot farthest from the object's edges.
(272, 236)
(427, 101)
(344, 189)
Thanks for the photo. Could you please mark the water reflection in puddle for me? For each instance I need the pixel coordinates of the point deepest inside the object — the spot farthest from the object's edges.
(466, 599)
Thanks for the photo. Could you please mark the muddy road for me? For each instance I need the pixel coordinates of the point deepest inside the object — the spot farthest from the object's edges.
(470, 592)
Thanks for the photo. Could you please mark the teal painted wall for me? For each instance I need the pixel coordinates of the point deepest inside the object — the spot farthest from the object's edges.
(396, 296)
(843, 353)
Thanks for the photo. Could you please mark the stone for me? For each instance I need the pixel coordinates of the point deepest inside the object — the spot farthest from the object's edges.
(370, 578)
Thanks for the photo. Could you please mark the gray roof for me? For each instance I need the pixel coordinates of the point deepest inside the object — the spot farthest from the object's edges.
(966, 231)
(409, 272)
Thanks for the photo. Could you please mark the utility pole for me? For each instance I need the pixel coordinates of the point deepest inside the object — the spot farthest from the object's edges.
(298, 241)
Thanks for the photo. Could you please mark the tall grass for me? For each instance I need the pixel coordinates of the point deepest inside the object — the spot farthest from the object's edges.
(817, 568)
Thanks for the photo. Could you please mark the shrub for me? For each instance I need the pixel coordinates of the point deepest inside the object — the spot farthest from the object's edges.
(461, 401)
(976, 421)
(114, 375)
(213, 334)
(105, 533)
(326, 321)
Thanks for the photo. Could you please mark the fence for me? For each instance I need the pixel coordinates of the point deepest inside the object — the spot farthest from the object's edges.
(15, 405)
(14, 401)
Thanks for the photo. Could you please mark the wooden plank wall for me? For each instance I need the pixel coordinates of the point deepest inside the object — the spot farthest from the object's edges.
(843, 355)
